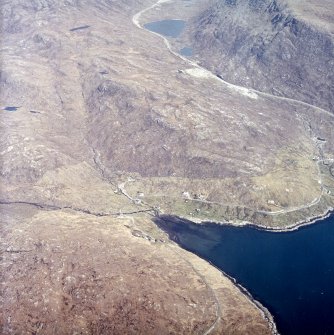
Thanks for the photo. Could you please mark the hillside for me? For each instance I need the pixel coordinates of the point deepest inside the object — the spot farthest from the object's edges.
(285, 48)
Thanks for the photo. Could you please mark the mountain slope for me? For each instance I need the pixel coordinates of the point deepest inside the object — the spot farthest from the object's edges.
(284, 48)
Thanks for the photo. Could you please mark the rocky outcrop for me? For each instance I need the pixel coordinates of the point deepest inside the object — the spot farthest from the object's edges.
(267, 45)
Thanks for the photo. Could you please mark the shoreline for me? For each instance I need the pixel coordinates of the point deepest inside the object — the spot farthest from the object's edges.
(265, 312)
(295, 227)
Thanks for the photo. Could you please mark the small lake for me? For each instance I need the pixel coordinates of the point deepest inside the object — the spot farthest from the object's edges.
(292, 274)
(167, 28)
(11, 108)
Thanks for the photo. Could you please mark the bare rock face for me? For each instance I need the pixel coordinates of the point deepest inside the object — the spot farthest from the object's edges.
(284, 48)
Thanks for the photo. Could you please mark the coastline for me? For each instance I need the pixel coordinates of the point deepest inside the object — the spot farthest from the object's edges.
(267, 316)
(174, 237)
(264, 312)
(299, 225)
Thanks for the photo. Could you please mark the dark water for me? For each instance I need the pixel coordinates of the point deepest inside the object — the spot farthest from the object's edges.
(186, 51)
(292, 274)
(167, 28)
(11, 109)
